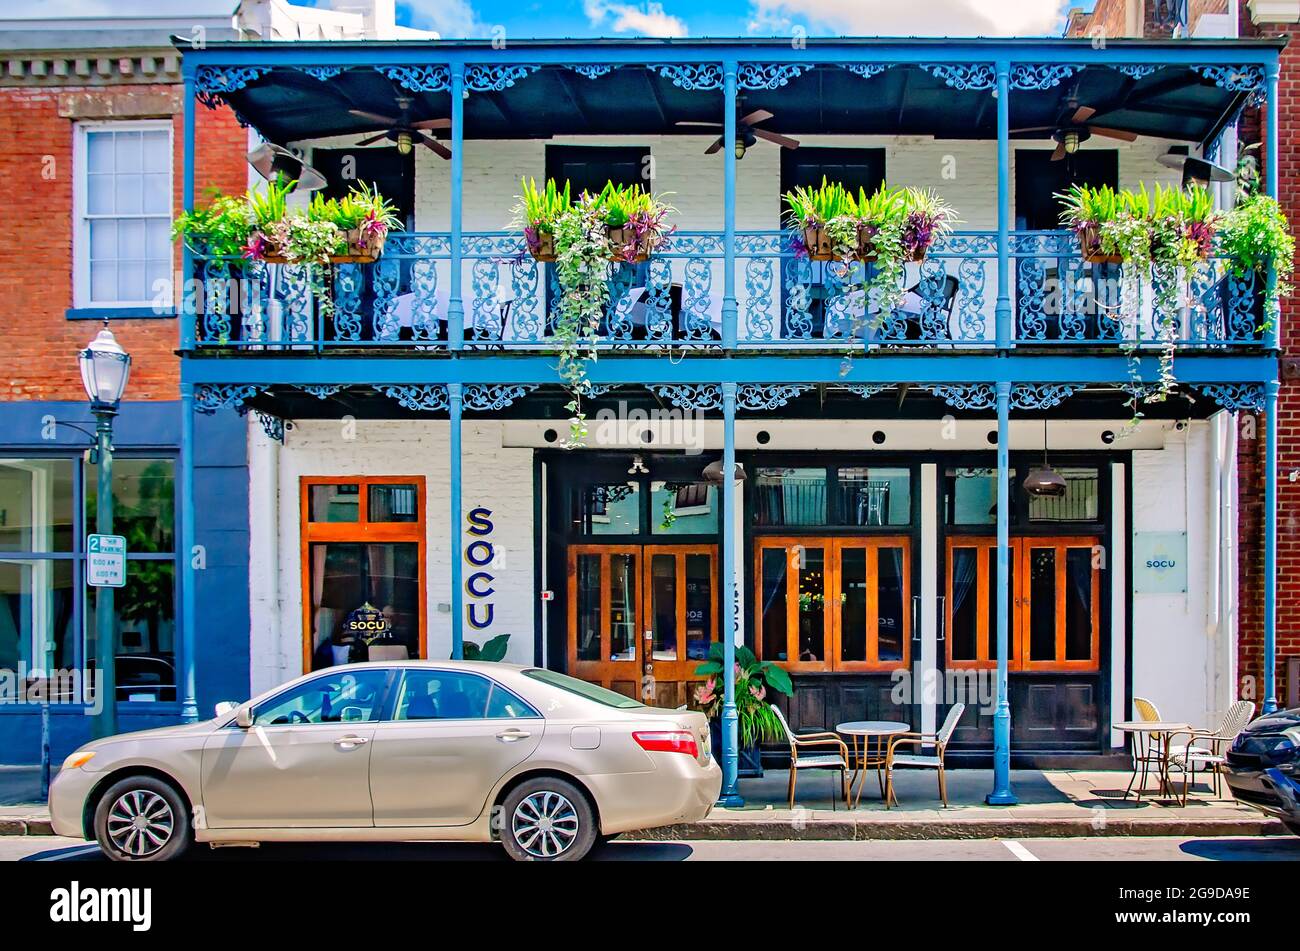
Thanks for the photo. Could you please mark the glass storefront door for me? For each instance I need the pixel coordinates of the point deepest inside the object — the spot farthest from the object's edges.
(641, 617)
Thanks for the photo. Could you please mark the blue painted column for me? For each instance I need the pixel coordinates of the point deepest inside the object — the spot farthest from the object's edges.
(1002, 307)
(1002, 794)
(729, 310)
(1270, 545)
(188, 311)
(730, 726)
(189, 635)
(455, 307)
(455, 406)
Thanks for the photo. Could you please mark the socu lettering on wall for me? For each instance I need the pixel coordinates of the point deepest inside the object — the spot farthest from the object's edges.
(480, 560)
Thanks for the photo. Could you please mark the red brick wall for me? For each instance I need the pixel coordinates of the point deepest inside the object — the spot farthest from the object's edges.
(39, 341)
(1251, 469)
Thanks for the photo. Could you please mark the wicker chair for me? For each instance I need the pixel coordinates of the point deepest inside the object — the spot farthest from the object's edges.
(1147, 751)
(798, 761)
(938, 741)
(1211, 755)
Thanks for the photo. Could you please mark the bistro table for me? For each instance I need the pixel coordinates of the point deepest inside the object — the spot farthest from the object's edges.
(1152, 731)
(874, 734)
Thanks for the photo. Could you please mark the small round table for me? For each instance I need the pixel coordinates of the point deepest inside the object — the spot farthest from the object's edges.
(874, 734)
(1157, 731)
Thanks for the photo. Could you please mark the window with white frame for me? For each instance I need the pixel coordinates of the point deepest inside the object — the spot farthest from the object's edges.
(122, 250)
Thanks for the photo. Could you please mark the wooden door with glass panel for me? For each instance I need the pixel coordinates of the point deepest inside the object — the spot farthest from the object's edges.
(641, 618)
(1055, 609)
(839, 604)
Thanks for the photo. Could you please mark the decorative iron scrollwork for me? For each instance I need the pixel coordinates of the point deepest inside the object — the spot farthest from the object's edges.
(867, 390)
(964, 76)
(321, 391)
(428, 397)
(495, 78)
(1041, 75)
(692, 76)
(323, 73)
(592, 70)
(211, 83)
(1040, 395)
(419, 78)
(1236, 397)
(271, 424)
(210, 397)
(965, 395)
(690, 395)
(866, 70)
(489, 397)
(768, 75)
(755, 396)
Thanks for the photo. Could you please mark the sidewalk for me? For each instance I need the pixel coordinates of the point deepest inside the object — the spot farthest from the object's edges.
(1054, 803)
(1059, 803)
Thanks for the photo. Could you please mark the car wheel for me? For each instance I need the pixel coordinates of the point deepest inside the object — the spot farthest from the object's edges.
(547, 820)
(142, 819)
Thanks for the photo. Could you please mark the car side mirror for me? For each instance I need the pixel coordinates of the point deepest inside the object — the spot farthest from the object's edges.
(224, 707)
(244, 718)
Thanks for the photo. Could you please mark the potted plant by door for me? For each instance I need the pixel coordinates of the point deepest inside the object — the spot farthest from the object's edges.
(755, 683)
(537, 212)
(1256, 238)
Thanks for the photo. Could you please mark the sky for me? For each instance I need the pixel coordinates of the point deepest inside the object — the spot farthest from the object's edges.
(675, 18)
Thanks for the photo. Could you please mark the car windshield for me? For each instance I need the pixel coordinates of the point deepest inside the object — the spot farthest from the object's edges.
(583, 689)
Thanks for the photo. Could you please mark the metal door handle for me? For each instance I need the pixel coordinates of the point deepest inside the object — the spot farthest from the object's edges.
(509, 736)
(348, 742)
(916, 628)
(943, 617)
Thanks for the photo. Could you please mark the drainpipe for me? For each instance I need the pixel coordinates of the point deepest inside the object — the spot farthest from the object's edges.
(1215, 572)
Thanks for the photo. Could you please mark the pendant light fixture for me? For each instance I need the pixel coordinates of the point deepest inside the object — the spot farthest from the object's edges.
(1044, 481)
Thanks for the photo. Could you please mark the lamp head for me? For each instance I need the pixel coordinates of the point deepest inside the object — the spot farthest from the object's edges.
(105, 368)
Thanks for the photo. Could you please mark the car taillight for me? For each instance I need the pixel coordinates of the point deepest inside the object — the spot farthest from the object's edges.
(667, 741)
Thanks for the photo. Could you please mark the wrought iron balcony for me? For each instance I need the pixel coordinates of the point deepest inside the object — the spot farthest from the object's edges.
(783, 301)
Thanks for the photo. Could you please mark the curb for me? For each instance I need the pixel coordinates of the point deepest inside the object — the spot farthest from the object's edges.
(26, 825)
(728, 829)
(849, 829)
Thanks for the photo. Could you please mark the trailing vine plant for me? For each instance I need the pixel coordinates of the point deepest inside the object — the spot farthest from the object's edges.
(582, 268)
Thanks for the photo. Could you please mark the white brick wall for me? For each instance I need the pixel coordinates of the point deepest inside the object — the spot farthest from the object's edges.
(495, 478)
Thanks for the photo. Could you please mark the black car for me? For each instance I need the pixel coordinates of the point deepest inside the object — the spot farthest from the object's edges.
(1264, 766)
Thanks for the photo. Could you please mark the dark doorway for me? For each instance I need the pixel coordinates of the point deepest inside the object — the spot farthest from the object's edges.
(805, 167)
(589, 167)
(853, 168)
(385, 169)
(1038, 179)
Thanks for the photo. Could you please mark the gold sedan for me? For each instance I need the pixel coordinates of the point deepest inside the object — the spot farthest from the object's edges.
(418, 750)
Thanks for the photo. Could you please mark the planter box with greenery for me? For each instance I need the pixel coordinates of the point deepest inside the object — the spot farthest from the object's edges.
(756, 681)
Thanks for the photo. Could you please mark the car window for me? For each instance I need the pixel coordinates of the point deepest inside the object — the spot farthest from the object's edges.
(442, 695)
(583, 689)
(503, 705)
(341, 696)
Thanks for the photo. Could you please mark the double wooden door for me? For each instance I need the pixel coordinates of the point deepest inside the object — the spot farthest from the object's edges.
(641, 617)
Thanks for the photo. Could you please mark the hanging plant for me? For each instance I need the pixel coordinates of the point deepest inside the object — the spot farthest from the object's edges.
(582, 269)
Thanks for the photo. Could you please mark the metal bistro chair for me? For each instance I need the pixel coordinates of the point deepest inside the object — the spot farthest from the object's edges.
(939, 741)
(1188, 757)
(824, 738)
(1146, 746)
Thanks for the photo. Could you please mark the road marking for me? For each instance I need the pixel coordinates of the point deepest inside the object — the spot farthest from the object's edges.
(1019, 851)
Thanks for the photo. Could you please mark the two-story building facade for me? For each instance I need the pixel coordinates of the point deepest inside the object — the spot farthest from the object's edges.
(407, 444)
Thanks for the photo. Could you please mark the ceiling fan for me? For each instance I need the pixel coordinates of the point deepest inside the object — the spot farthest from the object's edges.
(746, 133)
(405, 132)
(1073, 128)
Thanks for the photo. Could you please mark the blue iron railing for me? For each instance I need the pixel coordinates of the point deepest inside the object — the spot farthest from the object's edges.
(783, 301)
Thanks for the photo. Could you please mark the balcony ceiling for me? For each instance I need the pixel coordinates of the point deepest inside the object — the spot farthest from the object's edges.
(1173, 102)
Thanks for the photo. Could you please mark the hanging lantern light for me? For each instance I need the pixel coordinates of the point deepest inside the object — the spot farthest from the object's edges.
(1044, 481)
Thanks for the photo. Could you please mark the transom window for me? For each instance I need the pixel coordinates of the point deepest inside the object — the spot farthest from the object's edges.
(123, 252)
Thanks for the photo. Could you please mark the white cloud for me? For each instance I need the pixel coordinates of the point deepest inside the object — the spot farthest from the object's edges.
(647, 20)
(911, 17)
(451, 19)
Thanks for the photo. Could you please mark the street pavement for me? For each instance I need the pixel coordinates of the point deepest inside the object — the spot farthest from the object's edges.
(1099, 849)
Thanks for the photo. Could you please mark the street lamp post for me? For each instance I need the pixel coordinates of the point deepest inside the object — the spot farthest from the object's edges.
(105, 367)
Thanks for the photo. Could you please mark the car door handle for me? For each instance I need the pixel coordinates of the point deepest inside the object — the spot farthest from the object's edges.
(509, 736)
(350, 741)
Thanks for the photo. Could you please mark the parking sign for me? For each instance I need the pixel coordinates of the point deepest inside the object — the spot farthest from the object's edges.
(105, 561)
